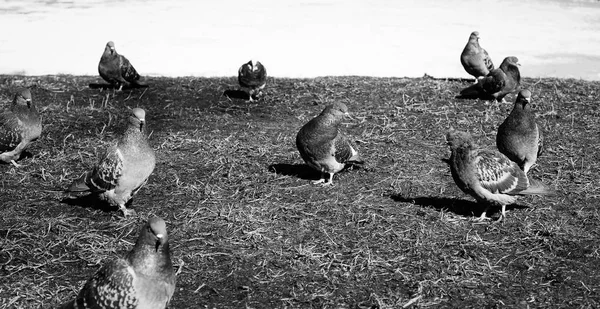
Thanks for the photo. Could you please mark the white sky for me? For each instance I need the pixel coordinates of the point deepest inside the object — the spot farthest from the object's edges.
(300, 38)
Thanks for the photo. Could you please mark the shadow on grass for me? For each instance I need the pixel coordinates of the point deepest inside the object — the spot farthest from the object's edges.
(301, 171)
(89, 201)
(105, 86)
(236, 94)
(461, 207)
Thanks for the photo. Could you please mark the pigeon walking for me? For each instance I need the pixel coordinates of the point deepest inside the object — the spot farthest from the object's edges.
(117, 70)
(144, 279)
(475, 59)
(253, 77)
(497, 84)
(488, 176)
(323, 146)
(20, 124)
(519, 137)
(123, 169)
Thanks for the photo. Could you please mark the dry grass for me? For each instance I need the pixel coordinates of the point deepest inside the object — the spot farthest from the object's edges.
(249, 230)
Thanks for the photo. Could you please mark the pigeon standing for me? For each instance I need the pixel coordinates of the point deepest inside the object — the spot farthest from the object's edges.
(497, 84)
(475, 59)
(519, 137)
(123, 169)
(19, 126)
(252, 76)
(144, 279)
(322, 145)
(488, 176)
(117, 70)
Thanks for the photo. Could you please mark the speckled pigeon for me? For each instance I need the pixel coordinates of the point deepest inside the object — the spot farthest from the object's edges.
(20, 124)
(253, 77)
(475, 59)
(123, 169)
(117, 70)
(488, 176)
(519, 137)
(497, 84)
(144, 279)
(323, 146)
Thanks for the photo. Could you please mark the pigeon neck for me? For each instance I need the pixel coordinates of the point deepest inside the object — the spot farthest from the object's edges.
(150, 260)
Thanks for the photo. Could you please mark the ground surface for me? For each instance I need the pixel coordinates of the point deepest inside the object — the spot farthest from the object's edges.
(249, 230)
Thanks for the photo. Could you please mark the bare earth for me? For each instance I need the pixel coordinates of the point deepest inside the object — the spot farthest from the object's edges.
(249, 230)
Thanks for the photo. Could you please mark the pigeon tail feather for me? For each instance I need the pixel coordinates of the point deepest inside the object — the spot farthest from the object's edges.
(79, 184)
(536, 187)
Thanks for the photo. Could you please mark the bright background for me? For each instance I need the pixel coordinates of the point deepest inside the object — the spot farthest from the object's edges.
(300, 38)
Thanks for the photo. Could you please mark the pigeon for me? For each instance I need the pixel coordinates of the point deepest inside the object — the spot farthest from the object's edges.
(20, 124)
(488, 175)
(117, 70)
(253, 76)
(143, 279)
(519, 137)
(123, 169)
(475, 59)
(497, 84)
(323, 147)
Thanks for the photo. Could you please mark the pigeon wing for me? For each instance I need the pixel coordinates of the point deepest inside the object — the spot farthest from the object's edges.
(10, 130)
(496, 173)
(110, 287)
(128, 72)
(105, 175)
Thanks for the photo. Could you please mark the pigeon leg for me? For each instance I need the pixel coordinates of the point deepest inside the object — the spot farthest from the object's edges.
(330, 182)
(502, 214)
(322, 180)
(483, 216)
(15, 163)
(126, 212)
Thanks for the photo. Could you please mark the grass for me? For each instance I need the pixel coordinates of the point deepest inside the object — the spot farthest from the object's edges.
(247, 228)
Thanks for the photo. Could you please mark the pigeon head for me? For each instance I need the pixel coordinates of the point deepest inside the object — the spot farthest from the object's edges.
(457, 139)
(138, 118)
(158, 229)
(254, 65)
(23, 98)
(508, 62)
(110, 48)
(474, 35)
(337, 109)
(523, 98)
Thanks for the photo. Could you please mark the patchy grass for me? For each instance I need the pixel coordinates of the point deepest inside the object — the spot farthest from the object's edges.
(247, 228)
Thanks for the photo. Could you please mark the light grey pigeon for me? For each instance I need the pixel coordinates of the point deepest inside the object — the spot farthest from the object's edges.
(123, 169)
(519, 137)
(475, 59)
(487, 175)
(323, 146)
(117, 70)
(497, 84)
(20, 124)
(144, 279)
(253, 77)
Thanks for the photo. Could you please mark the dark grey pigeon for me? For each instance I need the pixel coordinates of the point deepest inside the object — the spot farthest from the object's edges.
(20, 124)
(519, 137)
(253, 77)
(497, 84)
(322, 145)
(475, 59)
(144, 279)
(117, 70)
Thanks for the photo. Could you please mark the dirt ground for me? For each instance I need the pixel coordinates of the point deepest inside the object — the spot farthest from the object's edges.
(249, 230)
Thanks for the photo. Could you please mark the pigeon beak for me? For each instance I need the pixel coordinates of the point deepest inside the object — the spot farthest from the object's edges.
(159, 241)
(348, 115)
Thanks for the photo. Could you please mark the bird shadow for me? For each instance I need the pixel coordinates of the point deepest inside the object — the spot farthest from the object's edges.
(236, 94)
(301, 171)
(89, 201)
(106, 86)
(461, 207)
